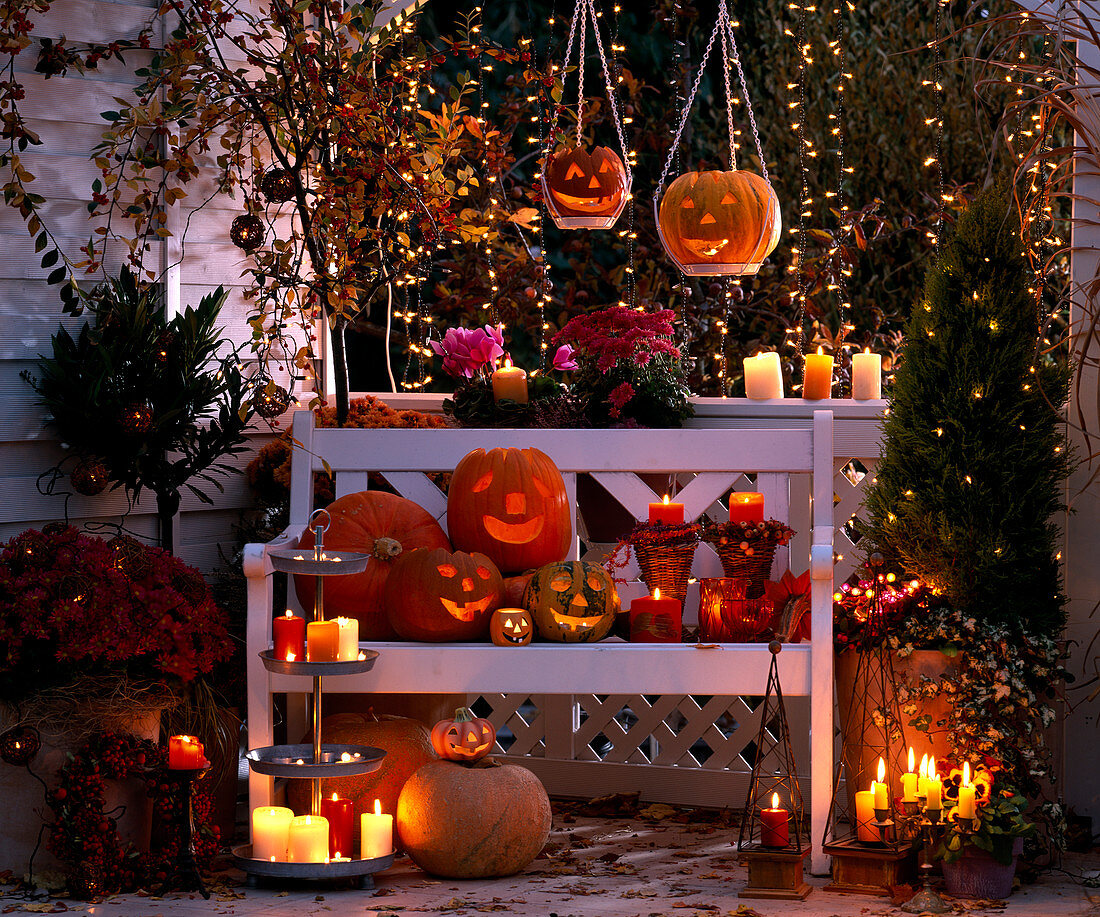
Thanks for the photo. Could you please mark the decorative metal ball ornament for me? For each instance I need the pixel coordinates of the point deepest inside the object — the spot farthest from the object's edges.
(74, 588)
(90, 476)
(136, 418)
(131, 556)
(278, 185)
(165, 342)
(247, 232)
(30, 550)
(271, 401)
(19, 745)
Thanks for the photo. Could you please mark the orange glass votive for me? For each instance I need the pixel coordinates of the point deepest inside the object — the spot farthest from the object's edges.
(726, 614)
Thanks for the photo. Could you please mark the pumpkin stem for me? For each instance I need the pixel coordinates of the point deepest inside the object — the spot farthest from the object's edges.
(464, 715)
(386, 548)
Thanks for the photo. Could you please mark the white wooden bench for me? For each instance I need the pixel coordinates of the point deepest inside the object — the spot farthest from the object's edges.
(715, 459)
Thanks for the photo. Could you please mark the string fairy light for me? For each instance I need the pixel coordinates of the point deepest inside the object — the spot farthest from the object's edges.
(837, 129)
(797, 331)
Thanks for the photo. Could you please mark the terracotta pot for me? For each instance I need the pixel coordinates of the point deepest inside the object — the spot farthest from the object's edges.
(25, 804)
(861, 762)
(977, 875)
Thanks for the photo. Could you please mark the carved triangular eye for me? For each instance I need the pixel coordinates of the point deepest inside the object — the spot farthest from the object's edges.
(707, 219)
(604, 166)
(688, 204)
(574, 171)
(593, 182)
(729, 198)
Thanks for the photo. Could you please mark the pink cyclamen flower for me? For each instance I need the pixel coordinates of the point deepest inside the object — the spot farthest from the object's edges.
(563, 359)
(466, 350)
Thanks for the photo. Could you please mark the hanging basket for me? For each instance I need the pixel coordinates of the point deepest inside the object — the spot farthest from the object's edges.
(665, 554)
(747, 551)
(586, 188)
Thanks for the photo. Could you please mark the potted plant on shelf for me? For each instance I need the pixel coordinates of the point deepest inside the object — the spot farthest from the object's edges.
(961, 505)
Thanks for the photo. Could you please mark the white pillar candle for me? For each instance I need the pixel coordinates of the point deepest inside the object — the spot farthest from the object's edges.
(763, 376)
(965, 808)
(307, 840)
(270, 828)
(349, 639)
(866, 376)
(376, 833)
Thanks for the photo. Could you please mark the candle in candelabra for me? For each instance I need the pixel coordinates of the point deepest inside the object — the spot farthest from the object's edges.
(185, 753)
(965, 807)
(866, 376)
(935, 787)
(922, 777)
(666, 513)
(865, 817)
(880, 788)
(773, 825)
(910, 780)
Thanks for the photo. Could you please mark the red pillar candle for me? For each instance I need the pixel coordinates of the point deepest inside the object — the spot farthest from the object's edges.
(185, 753)
(773, 825)
(290, 637)
(341, 823)
(655, 620)
(746, 506)
(666, 513)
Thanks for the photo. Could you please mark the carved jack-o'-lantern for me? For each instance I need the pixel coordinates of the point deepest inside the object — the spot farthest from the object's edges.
(434, 595)
(585, 190)
(719, 223)
(511, 627)
(572, 602)
(464, 738)
(511, 505)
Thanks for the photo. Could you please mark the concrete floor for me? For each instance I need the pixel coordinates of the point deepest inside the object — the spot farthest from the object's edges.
(664, 866)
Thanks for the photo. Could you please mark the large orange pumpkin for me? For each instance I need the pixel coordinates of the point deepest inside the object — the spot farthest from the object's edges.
(715, 223)
(437, 595)
(375, 523)
(511, 505)
(408, 747)
(585, 190)
(475, 822)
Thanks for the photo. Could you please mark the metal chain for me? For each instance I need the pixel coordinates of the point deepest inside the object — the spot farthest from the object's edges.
(729, 91)
(581, 54)
(616, 120)
(540, 295)
(631, 276)
(744, 92)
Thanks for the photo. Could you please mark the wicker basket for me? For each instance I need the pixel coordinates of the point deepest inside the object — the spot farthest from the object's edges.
(666, 565)
(738, 563)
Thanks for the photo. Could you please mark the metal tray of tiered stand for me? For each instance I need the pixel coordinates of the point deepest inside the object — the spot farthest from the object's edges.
(303, 667)
(341, 869)
(331, 563)
(336, 761)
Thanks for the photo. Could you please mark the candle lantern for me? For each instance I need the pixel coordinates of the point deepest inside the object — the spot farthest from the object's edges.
(586, 188)
(867, 835)
(728, 614)
(771, 840)
(665, 549)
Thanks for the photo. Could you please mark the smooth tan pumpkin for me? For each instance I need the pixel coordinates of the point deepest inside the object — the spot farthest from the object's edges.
(376, 523)
(579, 182)
(716, 219)
(512, 506)
(464, 822)
(408, 747)
(440, 595)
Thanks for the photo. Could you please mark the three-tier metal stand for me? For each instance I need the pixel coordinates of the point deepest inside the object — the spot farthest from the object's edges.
(317, 761)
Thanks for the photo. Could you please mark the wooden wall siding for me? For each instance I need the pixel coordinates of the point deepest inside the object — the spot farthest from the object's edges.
(65, 112)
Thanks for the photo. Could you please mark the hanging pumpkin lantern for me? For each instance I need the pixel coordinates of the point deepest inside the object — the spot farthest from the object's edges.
(278, 185)
(438, 596)
(511, 505)
(715, 223)
(511, 627)
(247, 232)
(572, 602)
(464, 738)
(90, 476)
(585, 190)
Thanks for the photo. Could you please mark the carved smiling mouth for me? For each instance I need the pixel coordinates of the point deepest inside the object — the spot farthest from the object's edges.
(575, 623)
(705, 248)
(513, 532)
(468, 611)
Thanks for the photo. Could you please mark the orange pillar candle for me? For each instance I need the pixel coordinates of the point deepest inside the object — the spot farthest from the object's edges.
(865, 817)
(290, 637)
(307, 839)
(654, 619)
(341, 824)
(510, 382)
(666, 513)
(185, 753)
(817, 376)
(376, 839)
(348, 650)
(866, 376)
(773, 825)
(322, 641)
(746, 506)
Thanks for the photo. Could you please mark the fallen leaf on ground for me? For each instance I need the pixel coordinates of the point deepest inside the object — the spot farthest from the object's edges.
(657, 811)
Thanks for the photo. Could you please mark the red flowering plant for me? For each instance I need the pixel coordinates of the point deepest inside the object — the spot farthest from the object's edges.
(77, 610)
(629, 372)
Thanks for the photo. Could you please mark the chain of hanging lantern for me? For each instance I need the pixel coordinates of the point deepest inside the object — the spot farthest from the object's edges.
(681, 290)
(796, 333)
(628, 233)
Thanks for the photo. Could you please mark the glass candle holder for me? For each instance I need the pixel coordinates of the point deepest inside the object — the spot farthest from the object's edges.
(727, 614)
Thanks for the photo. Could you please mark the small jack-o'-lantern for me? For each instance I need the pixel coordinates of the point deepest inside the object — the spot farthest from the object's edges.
(572, 602)
(719, 223)
(511, 627)
(585, 190)
(464, 738)
(511, 505)
(434, 595)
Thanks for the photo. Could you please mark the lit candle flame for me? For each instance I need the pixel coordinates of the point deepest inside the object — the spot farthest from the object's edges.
(912, 759)
(666, 500)
(881, 771)
(362, 656)
(334, 799)
(820, 350)
(775, 800)
(657, 593)
(507, 362)
(289, 613)
(299, 761)
(346, 756)
(966, 773)
(378, 807)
